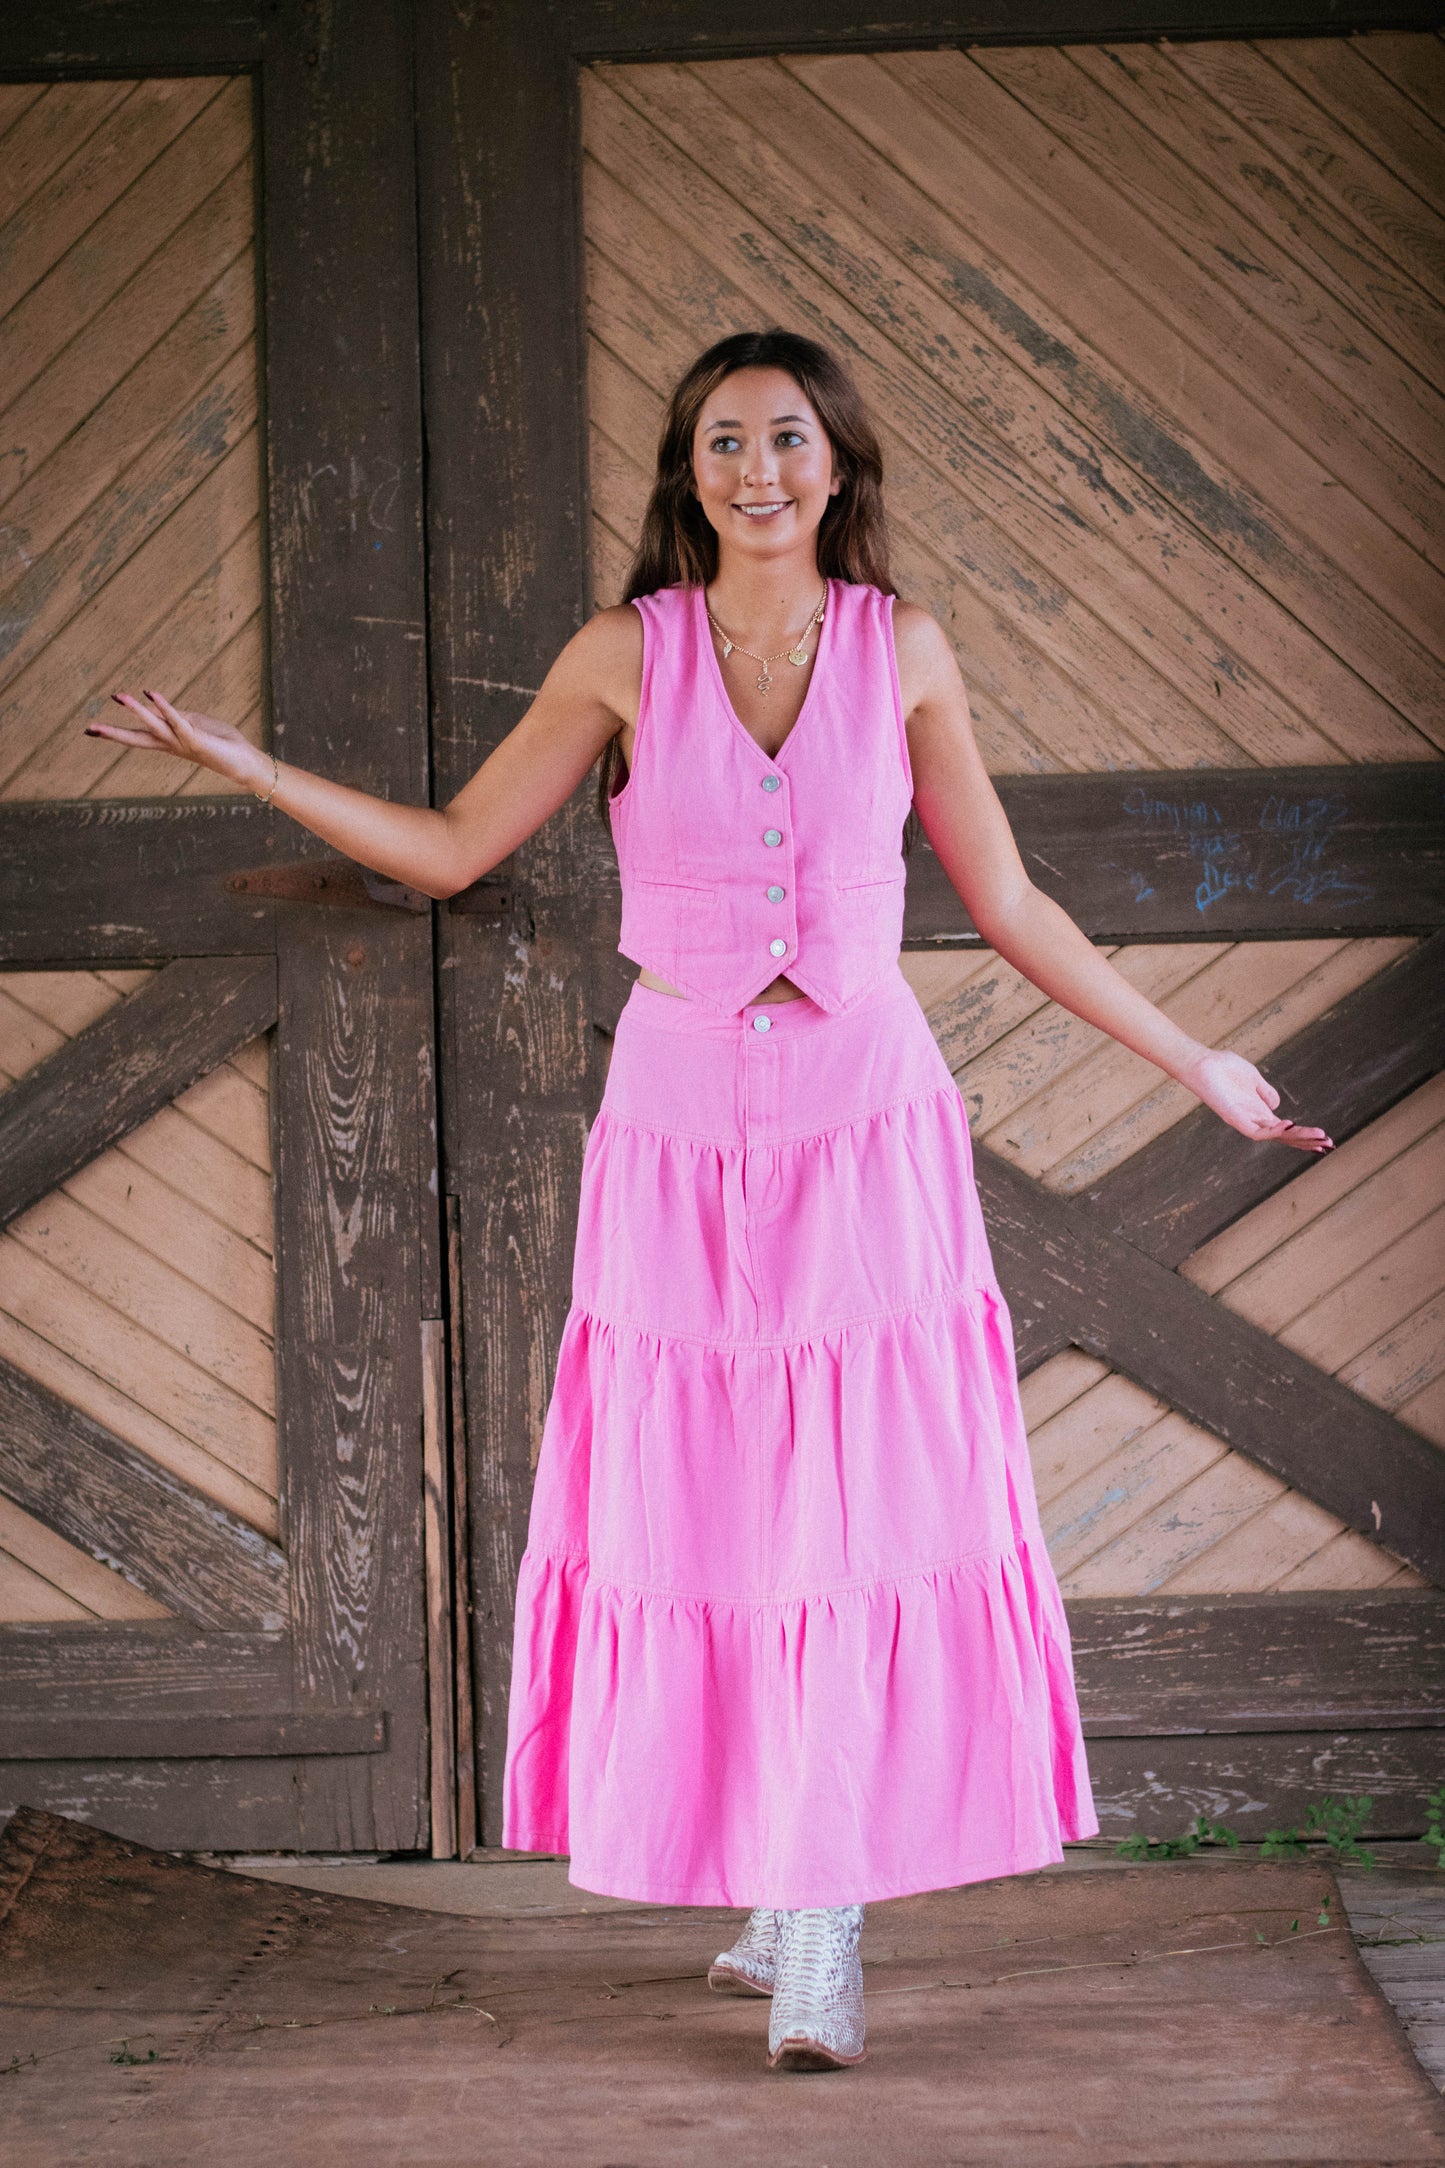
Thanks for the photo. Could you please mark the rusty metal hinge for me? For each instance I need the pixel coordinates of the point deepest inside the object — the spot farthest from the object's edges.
(342, 881)
(327, 880)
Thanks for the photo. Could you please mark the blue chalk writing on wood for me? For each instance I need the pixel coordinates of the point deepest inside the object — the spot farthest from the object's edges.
(1287, 852)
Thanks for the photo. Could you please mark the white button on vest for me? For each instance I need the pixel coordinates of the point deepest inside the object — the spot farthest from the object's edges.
(772, 782)
(772, 835)
(762, 1023)
(778, 948)
(775, 894)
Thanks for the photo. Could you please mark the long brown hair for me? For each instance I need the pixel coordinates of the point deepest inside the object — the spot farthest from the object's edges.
(678, 544)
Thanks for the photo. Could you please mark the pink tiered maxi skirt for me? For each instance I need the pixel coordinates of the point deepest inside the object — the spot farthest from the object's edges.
(786, 1629)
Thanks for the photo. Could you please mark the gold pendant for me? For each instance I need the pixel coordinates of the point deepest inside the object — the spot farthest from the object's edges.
(727, 647)
(798, 655)
(764, 681)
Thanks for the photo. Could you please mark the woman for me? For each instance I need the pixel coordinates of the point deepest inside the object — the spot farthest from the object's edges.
(787, 1634)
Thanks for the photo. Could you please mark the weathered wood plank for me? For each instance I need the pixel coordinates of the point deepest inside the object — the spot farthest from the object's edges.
(122, 1269)
(255, 1804)
(163, 1669)
(100, 170)
(1136, 1105)
(114, 1368)
(192, 874)
(356, 1163)
(1163, 855)
(100, 1493)
(1364, 220)
(1313, 1661)
(1293, 537)
(441, 1683)
(80, 663)
(508, 521)
(1085, 1285)
(1255, 1781)
(923, 276)
(46, 1737)
(1342, 1071)
(461, 1530)
(1415, 65)
(120, 1070)
(88, 278)
(1232, 854)
(1346, 314)
(146, 35)
(97, 1588)
(1335, 73)
(54, 121)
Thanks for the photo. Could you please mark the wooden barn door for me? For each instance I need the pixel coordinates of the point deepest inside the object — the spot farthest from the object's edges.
(1153, 333)
(1154, 337)
(220, 1336)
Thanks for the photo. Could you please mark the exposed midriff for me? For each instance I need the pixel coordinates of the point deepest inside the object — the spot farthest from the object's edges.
(781, 989)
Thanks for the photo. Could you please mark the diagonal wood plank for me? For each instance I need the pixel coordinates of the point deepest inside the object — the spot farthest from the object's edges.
(120, 1505)
(1068, 1280)
(121, 1070)
(1342, 1071)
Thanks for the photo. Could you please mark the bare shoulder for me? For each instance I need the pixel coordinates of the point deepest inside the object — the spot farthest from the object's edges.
(926, 663)
(604, 659)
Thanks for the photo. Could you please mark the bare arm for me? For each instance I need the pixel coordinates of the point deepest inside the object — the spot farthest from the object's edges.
(962, 817)
(589, 692)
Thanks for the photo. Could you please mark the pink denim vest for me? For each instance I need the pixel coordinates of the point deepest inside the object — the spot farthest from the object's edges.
(735, 867)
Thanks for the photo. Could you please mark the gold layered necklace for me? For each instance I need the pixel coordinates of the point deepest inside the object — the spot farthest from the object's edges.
(796, 652)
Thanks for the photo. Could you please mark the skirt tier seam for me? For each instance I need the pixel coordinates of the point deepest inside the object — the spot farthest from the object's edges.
(860, 1584)
(580, 1307)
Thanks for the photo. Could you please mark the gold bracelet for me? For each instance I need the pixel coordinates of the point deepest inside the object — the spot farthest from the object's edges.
(275, 779)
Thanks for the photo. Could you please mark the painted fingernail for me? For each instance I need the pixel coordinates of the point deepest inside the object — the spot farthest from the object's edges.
(117, 699)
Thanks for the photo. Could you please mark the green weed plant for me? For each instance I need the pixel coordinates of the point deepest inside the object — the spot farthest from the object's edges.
(1331, 1822)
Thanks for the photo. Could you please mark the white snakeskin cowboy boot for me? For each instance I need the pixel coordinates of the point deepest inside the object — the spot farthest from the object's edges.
(747, 1968)
(816, 2022)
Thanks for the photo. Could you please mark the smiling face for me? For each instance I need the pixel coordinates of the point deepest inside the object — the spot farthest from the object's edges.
(762, 464)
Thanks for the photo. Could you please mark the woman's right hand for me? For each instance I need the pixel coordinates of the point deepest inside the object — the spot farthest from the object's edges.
(189, 735)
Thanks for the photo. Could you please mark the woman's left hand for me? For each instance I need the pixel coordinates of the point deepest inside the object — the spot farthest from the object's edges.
(1239, 1095)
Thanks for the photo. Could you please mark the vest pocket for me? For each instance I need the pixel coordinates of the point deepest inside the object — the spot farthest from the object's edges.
(698, 888)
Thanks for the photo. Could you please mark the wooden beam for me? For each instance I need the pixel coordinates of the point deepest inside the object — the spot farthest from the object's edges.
(79, 37)
(709, 29)
(127, 1510)
(121, 1069)
(1216, 854)
(199, 877)
(1077, 1282)
(151, 1667)
(58, 38)
(46, 1737)
(1342, 1071)
(358, 1194)
(505, 350)
(211, 876)
(1258, 1781)
(1317, 1660)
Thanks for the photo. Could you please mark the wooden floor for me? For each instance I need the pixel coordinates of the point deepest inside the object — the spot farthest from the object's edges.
(1396, 1909)
(1099, 2015)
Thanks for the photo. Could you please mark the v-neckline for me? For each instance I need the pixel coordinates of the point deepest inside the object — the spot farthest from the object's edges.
(825, 640)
